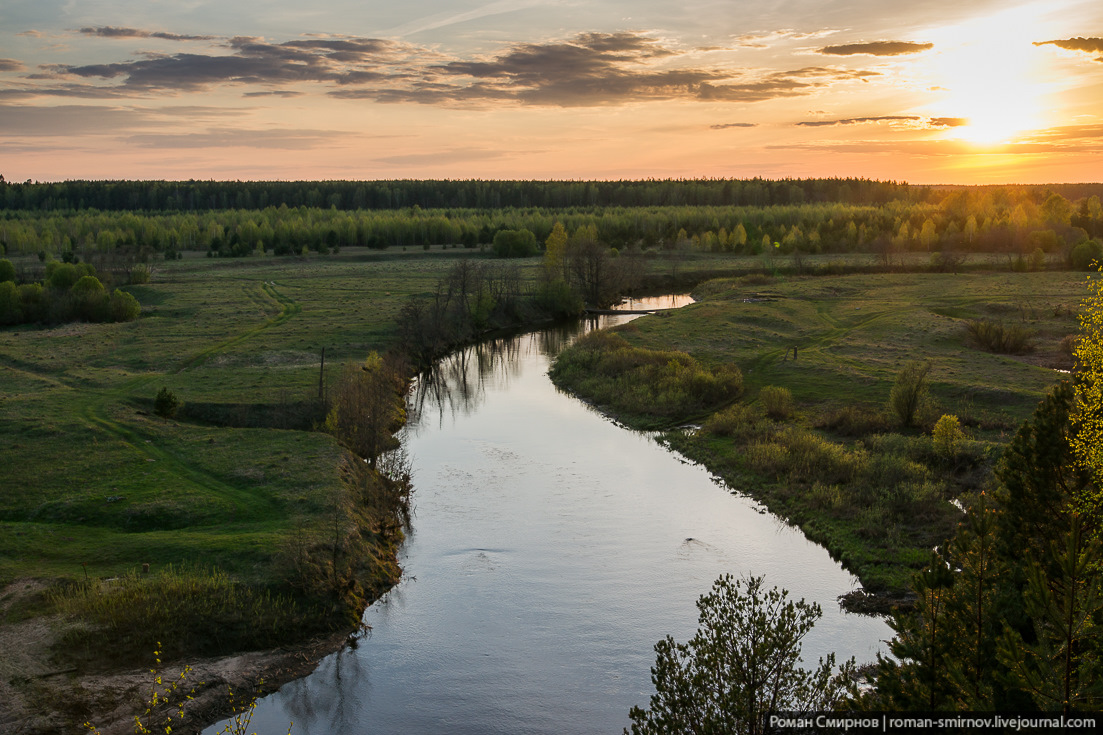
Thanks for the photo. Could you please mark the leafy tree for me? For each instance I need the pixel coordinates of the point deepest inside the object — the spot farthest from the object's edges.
(368, 407)
(554, 247)
(7, 270)
(1087, 441)
(742, 665)
(909, 391)
(947, 436)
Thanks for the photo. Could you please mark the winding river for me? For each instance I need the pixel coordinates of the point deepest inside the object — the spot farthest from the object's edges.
(551, 548)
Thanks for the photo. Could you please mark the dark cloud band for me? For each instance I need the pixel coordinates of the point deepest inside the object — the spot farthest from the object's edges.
(587, 70)
(877, 48)
(929, 122)
(1087, 45)
(116, 32)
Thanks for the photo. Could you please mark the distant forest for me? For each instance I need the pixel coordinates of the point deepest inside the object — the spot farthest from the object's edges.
(192, 196)
(140, 220)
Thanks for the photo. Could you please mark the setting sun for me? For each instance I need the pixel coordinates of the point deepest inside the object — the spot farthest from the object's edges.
(992, 75)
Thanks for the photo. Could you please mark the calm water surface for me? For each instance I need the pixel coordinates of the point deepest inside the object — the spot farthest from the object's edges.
(550, 550)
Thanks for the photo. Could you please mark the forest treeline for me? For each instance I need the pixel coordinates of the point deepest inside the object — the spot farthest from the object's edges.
(961, 222)
(159, 196)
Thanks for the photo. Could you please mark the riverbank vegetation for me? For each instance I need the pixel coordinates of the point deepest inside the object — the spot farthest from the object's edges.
(847, 378)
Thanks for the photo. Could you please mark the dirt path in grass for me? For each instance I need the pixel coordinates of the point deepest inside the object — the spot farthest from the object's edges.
(97, 411)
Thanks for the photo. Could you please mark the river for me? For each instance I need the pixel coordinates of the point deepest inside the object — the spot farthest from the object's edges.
(550, 549)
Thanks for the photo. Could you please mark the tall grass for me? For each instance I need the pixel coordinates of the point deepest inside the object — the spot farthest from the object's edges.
(194, 610)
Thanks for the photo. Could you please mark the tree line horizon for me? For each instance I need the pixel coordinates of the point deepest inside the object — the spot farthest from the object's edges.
(751, 216)
(197, 195)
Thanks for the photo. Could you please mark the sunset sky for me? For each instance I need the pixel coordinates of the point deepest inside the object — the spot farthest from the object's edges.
(930, 91)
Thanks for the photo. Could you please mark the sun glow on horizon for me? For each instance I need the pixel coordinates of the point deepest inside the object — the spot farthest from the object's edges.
(993, 76)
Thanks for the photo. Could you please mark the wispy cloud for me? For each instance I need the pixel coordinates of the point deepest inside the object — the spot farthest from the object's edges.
(102, 120)
(1075, 140)
(911, 121)
(116, 32)
(445, 19)
(461, 155)
(766, 39)
(725, 126)
(287, 93)
(289, 139)
(11, 65)
(877, 48)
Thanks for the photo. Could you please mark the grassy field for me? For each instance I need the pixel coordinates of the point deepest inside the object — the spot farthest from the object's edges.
(95, 484)
(838, 462)
(854, 333)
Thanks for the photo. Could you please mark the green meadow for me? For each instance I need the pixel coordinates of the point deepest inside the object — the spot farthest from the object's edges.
(95, 484)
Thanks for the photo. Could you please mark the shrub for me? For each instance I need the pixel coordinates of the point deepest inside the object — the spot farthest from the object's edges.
(739, 421)
(1038, 260)
(11, 307)
(62, 276)
(166, 404)
(140, 273)
(855, 421)
(947, 436)
(1085, 254)
(1068, 344)
(33, 298)
(514, 243)
(86, 286)
(777, 401)
(123, 307)
(558, 298)
(604, 368)
(995, 337)
(909, 391)
(813, 457)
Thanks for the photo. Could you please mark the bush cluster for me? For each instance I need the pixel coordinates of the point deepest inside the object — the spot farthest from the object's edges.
(995, 337)
(604, 368)
(70, 292)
